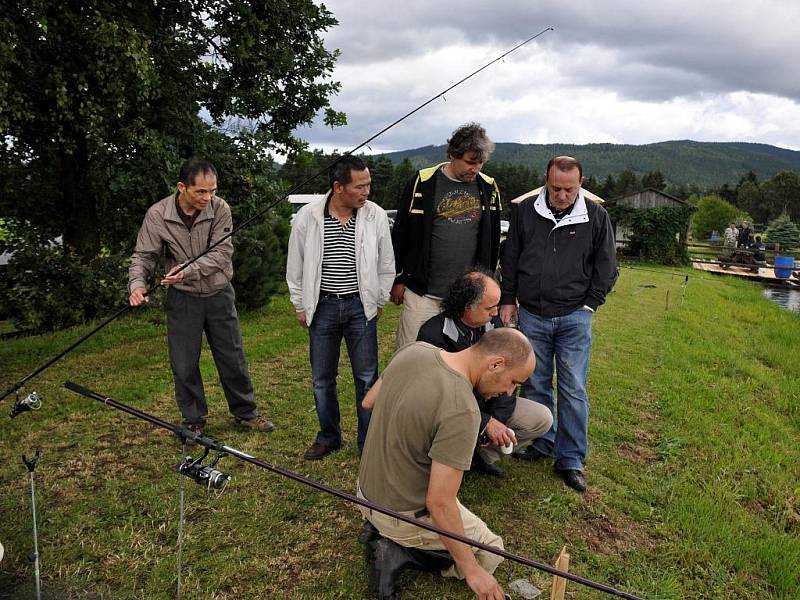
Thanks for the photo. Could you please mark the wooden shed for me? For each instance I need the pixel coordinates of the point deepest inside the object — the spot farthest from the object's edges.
(643, 200)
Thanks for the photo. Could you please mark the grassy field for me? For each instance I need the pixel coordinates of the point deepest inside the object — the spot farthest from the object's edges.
(694, 464)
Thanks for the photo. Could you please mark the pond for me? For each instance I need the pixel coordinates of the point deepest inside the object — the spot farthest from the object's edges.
(786, 297)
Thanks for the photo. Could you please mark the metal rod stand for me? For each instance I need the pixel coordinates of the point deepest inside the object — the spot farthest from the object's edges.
(181, 520)
(34, 556)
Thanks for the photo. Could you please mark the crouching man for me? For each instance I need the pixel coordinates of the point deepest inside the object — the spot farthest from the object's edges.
(469, 311)
(421, 439)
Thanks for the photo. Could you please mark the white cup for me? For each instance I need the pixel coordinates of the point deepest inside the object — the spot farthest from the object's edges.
(510, 448)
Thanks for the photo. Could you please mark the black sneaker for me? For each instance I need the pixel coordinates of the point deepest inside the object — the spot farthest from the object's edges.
(573, 478)
(485, 468)
(530, 453)
(194, 428)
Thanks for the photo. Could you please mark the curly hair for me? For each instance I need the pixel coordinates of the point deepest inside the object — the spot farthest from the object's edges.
(470, 138)
(466, 292)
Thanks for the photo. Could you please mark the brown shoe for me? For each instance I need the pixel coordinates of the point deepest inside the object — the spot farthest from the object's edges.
(316, 451)
(258, 423)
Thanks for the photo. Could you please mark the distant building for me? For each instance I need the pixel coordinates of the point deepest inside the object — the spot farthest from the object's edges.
(643, 200)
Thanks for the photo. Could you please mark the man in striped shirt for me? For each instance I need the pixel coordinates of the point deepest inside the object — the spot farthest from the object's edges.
(340, 268)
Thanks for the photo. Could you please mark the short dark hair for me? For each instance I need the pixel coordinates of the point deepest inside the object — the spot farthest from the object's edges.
(192, 168)
(470, 138)
(564, 163)
(341, 170)
(507, 342)
(466, 291)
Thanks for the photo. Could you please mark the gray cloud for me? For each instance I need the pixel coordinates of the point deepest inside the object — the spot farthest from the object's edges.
(621, 71)
(725, 45)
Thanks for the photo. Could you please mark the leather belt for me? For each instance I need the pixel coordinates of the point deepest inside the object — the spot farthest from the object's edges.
(339, 296)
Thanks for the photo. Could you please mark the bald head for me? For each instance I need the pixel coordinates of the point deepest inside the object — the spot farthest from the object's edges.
(503, 360)
(509, 343)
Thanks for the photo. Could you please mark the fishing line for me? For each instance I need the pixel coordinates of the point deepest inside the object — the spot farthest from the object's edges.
(266, 209)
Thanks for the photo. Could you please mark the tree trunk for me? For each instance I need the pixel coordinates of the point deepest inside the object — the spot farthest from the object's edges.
(81, 225)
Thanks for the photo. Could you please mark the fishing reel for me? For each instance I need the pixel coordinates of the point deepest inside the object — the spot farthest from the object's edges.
(205, 475)
(32, 401)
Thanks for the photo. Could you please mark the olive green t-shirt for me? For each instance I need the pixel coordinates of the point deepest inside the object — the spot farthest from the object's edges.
(425, 411)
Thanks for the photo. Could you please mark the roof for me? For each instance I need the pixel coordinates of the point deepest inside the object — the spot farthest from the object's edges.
(650, 189)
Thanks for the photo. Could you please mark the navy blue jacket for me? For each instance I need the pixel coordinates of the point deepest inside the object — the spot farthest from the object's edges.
(553, 269)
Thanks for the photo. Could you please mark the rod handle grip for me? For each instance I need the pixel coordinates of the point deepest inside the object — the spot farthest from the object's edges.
(79, 389)
(10, 390)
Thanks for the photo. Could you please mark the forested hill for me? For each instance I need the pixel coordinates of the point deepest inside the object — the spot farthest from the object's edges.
(683, 162)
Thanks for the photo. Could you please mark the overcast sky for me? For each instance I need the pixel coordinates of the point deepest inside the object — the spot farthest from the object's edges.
(628, 72)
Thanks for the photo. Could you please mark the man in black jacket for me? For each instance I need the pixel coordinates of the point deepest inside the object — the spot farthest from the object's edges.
(469, 311)
(448, 220)
(744, 235)
(559, 263)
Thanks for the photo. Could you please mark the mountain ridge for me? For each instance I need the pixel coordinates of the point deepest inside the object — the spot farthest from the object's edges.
(682, 162)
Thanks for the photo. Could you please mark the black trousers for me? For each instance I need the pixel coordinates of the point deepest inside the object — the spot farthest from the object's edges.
(188, 317)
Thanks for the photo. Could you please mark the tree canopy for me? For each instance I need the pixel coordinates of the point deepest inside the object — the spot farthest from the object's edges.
(783, 231)
(100, 103)
(101, 100)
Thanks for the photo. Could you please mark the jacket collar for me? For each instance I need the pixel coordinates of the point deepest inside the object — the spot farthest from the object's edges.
(171, 213)
(579, 214)
(452, 331)
(365, 213)
(427, 173)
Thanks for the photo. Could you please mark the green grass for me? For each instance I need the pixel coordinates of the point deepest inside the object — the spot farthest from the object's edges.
(693, 465)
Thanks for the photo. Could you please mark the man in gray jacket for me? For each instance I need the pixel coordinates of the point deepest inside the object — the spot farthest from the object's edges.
(340, 269)
(200, 297)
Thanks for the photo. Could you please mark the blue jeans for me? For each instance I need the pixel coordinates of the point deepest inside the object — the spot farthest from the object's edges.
(334, 319)
(564, 342)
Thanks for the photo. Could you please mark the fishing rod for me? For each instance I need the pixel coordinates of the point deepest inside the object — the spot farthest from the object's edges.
(20, 405)
(208, 476)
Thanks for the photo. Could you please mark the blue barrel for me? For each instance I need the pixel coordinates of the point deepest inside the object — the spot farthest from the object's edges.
(783, 266)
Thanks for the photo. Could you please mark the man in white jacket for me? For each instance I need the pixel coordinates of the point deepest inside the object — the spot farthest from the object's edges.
(340, 269)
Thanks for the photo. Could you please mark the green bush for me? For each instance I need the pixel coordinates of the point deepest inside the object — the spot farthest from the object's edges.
(44, 287)
(783, 231)
(655, 232)
(259, 261)
(713, 213)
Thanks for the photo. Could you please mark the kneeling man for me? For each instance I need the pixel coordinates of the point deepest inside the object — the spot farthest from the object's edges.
(421, 440)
